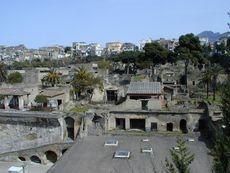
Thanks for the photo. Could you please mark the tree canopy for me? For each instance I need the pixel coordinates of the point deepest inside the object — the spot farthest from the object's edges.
(14, 77)
(156, 53)
(181, 157)
(41, 99)
(52, 78)
(3, 73)
(84, 81)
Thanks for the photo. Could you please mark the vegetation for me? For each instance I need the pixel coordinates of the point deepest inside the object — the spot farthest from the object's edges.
(79, 109)
(84, 82)
(103, 64)
(52, 78)
(38, 63)
(206, 79)
(181, 158)
(41, 99)
(215, 71)
(1, 97)
(156, 53)
(221, 140)
(189, 50)
(221, 152)
(14, 77)
(3, 73)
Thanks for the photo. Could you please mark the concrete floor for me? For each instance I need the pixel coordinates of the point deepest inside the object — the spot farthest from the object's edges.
(31, 168)
(89, 155)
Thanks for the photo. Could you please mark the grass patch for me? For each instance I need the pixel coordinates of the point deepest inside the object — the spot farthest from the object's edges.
(79, 109)
(138, 78)
(210, 99)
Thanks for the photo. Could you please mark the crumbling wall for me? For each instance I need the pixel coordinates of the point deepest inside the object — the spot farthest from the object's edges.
(18, 133)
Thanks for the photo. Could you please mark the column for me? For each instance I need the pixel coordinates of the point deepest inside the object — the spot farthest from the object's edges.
(127, 123)
(6, 103)
(20, 102)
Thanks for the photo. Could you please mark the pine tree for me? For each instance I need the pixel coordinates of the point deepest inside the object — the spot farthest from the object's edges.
(181, 158)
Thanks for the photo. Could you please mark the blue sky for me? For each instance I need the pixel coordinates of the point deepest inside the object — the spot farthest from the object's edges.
(38, 23)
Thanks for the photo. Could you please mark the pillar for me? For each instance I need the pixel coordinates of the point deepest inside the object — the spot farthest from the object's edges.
(6, 102)
(127, 123)
(20, 102)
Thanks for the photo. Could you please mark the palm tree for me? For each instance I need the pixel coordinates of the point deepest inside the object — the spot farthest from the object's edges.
(51, 78)
(3, 72)
(84, 81)
(206, 79)
(215, 70)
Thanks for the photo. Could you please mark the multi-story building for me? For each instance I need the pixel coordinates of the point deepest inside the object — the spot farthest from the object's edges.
(113, 48)
(129, 47)
(95, 49)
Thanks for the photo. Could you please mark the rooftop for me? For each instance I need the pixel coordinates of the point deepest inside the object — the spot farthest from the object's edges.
(53, 91)
(144, 88)
(13, 92)
(134, 155)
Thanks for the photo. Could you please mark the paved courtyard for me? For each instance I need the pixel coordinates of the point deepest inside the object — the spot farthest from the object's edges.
(89, 155)
(31, 168)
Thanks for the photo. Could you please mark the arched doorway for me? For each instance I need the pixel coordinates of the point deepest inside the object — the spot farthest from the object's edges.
(35, 159)
(169, 127)
(183, 126)
(51, 156)
(202, 125)
(70, 127)
(21, 158)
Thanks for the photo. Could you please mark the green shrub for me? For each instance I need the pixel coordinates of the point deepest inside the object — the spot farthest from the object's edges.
(14, 77)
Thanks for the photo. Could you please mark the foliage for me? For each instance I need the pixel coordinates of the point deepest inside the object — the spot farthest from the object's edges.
(41, 99)
(189, 50)
(226, 106)
(221, 152)
(103, 64)
(156, 53)
(14, 77)
(206, 79)
(79, 109)
(67, 49)
(221, 146)
(1, 97)
(51, 78)
(181, 158)
(215, 71)
(2, 72)
(38, 63)
(84, 81)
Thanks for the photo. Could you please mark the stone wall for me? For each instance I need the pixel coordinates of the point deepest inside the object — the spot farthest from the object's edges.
(161, 118)
(28, 132)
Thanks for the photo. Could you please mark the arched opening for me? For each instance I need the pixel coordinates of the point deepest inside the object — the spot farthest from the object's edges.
(64, 150)
(70, 127)
(169, 127)
(21, 158)
(202, 125)
(51, 156)
(183, 126)
(35, 159)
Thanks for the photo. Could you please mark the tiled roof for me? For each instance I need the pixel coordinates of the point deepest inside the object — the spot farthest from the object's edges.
(144, 88)
(13, 92)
